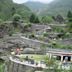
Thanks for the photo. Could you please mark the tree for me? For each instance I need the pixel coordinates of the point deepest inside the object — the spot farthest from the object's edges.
(69, 25)
(53, 17)
(69, 16)
(16, 19)
(46, 19)
(50, 62)
(1, 20)
(59, 18)
(13, 10)
(34, 19)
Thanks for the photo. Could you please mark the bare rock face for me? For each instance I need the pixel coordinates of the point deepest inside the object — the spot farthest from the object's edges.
(28, 51)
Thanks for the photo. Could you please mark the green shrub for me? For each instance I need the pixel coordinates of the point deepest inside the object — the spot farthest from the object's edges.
(45, 34)
(16, 19)
(46, 19)
(34, 19)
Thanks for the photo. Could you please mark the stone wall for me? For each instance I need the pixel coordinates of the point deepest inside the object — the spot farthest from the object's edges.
(26, 41)
(33, 43)
(16, 67)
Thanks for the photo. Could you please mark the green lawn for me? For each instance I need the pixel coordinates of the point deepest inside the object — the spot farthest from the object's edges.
(33, 56)
(1, 67)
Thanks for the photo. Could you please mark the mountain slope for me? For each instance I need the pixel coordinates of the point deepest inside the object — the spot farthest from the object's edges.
(35, 6)
(53, 8)
(7, 8)
(58, 7)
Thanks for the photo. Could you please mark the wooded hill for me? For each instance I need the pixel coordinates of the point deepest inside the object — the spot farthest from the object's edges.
(8, 8)
(53, 8)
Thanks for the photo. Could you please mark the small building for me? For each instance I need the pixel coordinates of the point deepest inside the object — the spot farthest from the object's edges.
(60, 55)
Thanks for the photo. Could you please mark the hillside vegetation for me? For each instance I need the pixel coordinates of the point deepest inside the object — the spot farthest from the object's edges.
(53, 8)
(58, 7)
(35, 6)
(8, 8)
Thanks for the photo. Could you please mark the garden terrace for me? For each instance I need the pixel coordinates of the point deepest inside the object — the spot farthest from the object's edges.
(22, 63)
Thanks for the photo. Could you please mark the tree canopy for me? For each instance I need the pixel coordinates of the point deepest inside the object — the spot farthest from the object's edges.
(34, 19)
(69, 16)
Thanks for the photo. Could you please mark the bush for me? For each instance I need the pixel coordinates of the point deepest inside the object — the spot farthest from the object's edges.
(1, 22)
(69, 25)
(16, 19)
(46, 19)
(34, 19)
(45, 34)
